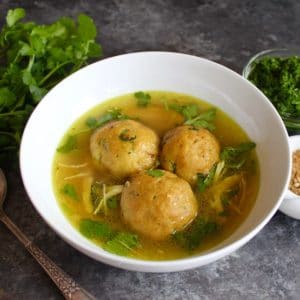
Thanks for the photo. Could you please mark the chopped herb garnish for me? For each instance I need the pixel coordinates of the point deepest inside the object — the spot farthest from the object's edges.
(110, 115)
(143, 99)
(69, 145)
(101, 195)
(235, 157)
(94, 229)
(126, 137)
(191, 237)
(188, 111)
(279, 79)
(155, 173)
(122, 244)
(192, 117)
(70, 191)
(203, 120)
(225, 200)
(96, 193)
(113, 202)
(205, 180)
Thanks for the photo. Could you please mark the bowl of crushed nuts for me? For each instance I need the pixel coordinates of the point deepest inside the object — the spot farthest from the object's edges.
(291, 203)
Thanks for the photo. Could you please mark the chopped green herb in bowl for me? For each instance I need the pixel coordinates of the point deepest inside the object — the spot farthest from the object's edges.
(276, 73)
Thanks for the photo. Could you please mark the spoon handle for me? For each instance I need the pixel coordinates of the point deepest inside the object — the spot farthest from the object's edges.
(68, 287)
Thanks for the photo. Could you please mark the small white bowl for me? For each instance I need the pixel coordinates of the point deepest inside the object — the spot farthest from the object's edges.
(155, 71)
(291, 203)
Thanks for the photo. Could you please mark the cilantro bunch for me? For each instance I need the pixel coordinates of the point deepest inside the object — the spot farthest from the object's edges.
(33, 59)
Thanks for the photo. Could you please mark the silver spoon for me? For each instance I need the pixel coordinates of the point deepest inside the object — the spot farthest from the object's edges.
(68, 287)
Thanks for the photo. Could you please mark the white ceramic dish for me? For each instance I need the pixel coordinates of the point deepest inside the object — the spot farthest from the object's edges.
(291, 203)
(155, 71)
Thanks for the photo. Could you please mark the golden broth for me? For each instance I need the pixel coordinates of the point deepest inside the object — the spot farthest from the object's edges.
(73, 167)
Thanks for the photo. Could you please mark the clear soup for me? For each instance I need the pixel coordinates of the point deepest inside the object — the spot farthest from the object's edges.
(161, 111)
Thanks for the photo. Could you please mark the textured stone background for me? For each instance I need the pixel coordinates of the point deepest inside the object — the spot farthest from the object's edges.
(227, 31)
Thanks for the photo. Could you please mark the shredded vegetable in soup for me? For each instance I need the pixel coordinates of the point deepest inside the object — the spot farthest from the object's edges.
(156, 175)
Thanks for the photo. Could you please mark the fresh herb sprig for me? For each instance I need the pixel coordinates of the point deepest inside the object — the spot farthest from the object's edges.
(204, 120)
(70, 191)
(34, 58)
(193, 117)
(109, 115)
(117, 242)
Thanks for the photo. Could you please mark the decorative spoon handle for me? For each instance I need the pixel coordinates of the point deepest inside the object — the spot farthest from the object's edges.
(68, 287)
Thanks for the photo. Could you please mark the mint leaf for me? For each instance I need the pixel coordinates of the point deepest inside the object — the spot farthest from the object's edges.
(7, 98)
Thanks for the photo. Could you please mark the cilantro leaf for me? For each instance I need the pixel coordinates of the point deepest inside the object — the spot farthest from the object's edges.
(143, 99)
(188, 111)
(14, 15)
(86, 27)
(69, 145)
(205, 180)
(110, 115)
(191, 237)
(155, 173)
(35, 58)
(126, 137)
(192, 117)
(94, 229)
(122, 243)
(203, 120)
(235, 157)
(69, 190)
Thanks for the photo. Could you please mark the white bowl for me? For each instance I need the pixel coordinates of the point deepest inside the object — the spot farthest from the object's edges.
(291, 203)
(155, 71)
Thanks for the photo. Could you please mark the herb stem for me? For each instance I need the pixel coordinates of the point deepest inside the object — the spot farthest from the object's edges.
(31, 62)
(52, 72)
(8, 134)
(12, 113)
